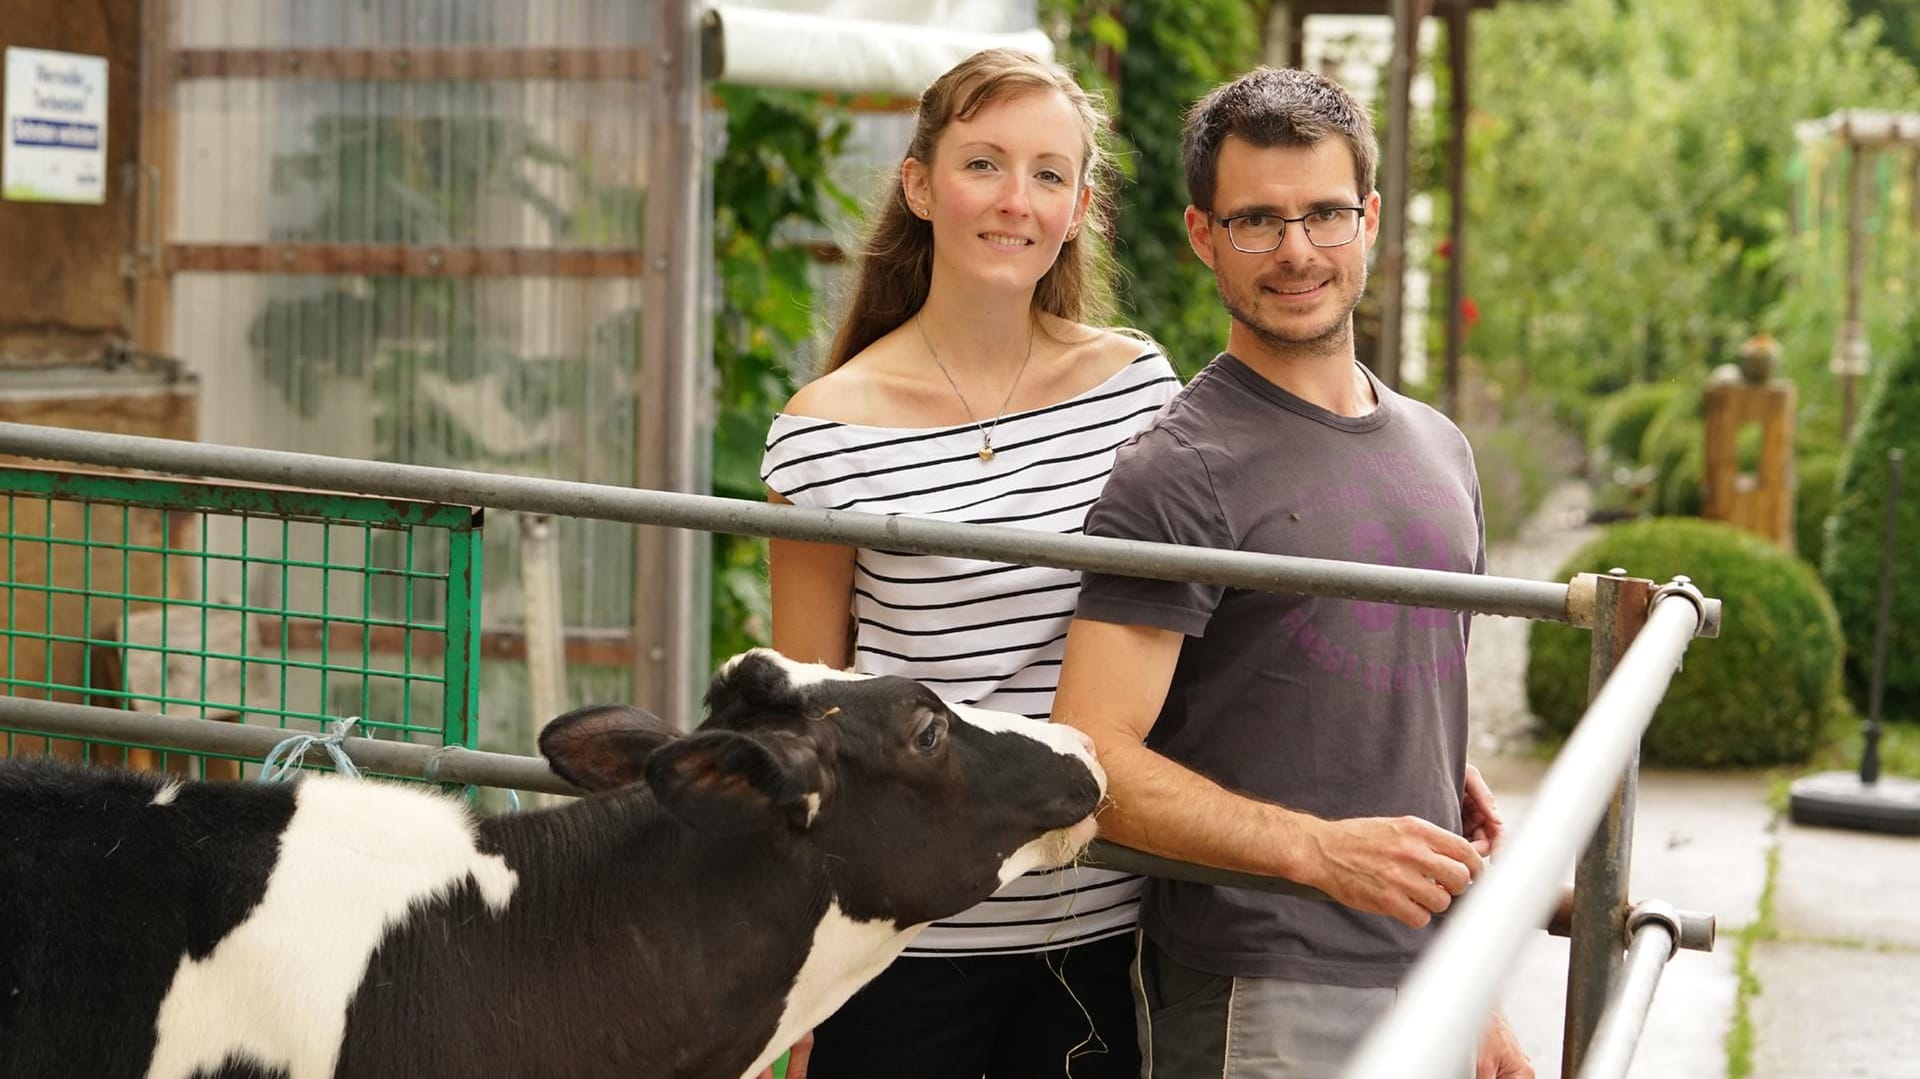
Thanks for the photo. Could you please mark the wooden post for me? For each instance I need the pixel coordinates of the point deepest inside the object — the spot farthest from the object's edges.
(670, 608)
(154, 188)
(1913, 215)
(1391, 268)
(1850, 346)
(1285, 34)
(1457, 23)
(1761, 501)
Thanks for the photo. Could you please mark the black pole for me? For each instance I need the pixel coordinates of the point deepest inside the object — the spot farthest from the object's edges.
(1870, 755)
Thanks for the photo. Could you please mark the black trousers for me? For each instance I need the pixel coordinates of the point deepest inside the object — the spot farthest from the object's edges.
(1001, 1017)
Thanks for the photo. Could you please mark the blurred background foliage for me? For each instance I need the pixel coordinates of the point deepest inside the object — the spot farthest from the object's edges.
(1639, 206)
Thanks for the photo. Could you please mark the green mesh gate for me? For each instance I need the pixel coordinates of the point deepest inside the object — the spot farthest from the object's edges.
(260, 605)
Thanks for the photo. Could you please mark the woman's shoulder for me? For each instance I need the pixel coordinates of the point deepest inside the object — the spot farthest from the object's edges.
(1100, 354)
(864, 390)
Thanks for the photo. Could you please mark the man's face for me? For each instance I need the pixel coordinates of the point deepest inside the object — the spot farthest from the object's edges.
(1296, 296)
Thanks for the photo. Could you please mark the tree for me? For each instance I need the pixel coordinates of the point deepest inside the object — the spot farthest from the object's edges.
(1900, 22)
(1628, 177)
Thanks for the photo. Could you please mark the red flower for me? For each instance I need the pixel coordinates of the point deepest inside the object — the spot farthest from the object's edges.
(1469, 312)
(1445, 250)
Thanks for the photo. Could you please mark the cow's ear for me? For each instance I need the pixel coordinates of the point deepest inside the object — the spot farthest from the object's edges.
(603, 746)
(752, 690)
(719, 776)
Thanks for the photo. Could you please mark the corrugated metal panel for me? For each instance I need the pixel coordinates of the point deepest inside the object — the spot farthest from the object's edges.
(528, 374)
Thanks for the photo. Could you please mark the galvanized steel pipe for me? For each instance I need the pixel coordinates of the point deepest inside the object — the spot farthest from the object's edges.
(1350, 580)
(455, 764)
(1443, 1004)
(1610, 1053)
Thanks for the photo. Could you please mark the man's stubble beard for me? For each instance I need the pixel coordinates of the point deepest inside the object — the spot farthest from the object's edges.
(1338, 336)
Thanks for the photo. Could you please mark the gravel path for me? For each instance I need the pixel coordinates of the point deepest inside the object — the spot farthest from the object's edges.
(1497, 656)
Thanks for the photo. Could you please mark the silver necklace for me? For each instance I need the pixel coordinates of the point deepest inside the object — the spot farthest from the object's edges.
(986, 430)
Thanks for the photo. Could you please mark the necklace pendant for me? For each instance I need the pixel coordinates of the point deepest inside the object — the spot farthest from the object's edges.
(986, 451)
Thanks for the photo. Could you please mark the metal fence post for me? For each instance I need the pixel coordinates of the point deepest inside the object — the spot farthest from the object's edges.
(1600, 879)
(461, 723)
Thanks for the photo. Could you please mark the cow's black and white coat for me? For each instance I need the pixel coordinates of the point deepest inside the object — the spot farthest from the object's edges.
(726, 891)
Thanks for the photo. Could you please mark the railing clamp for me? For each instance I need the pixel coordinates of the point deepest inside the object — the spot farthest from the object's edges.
(1684, 588)
(1655, 910)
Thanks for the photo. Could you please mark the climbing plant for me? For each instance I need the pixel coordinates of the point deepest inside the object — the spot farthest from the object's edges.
(771, 177)
(1167, 54)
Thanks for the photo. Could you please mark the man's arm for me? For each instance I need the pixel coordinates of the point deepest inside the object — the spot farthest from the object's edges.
(1112, 685)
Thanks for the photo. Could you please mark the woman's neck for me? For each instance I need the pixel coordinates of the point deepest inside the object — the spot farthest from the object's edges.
(982, 330)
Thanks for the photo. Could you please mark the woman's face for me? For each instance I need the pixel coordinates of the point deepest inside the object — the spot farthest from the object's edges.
(1003, 188)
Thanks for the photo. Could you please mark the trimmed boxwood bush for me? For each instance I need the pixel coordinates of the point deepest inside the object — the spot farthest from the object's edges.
(1850, 562)
(1815, 476)
(1676, 448)
(1620, 421)
(1755, 695)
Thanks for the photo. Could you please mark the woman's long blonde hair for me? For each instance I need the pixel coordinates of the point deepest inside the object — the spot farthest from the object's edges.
(896, 261)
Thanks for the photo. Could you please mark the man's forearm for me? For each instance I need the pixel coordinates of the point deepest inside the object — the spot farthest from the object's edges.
(1162, 807)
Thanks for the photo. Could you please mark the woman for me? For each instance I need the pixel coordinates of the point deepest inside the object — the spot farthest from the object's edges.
(968, 383)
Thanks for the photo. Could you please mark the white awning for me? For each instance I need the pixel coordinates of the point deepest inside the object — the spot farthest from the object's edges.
(801, 50)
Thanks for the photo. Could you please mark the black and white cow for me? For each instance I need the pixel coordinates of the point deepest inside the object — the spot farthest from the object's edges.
(724, 892)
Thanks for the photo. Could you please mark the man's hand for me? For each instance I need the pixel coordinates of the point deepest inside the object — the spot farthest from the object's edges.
(1500, 1055)
(1479, 818)
(1403, 867)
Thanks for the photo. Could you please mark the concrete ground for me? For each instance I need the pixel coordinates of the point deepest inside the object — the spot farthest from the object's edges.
(1838, 975)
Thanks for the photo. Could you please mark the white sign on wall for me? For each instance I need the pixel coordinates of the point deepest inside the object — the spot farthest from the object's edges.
(55, 145)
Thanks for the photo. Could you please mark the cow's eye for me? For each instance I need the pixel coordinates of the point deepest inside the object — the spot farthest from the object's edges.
(933, 728)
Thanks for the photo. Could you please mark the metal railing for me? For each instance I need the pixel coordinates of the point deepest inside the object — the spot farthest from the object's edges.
(252, 604)
(1442, 1005)
(1640, 633)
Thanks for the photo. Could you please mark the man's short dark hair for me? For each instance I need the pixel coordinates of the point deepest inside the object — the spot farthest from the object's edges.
(1274, 107)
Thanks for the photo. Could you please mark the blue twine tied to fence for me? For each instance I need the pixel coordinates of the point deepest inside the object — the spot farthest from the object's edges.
(283, 762)
(431, 773)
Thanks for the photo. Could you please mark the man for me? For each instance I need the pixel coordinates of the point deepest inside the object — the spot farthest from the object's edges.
(1320, 740)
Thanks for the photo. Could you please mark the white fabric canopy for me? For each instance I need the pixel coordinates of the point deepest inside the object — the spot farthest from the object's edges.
(802, 50)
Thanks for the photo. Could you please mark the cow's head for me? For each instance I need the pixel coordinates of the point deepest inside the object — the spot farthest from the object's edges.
(918, 809)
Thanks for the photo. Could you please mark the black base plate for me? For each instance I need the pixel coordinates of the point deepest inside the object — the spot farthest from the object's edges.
(1840, 800)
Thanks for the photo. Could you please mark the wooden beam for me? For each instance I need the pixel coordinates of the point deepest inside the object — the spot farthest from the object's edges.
(153, 215)
(452, 64)
(592, 647)
(401, 260)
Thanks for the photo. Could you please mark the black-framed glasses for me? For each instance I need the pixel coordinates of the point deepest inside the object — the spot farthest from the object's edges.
(1258, 233)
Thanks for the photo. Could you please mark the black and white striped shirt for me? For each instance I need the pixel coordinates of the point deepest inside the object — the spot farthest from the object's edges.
(981, 633)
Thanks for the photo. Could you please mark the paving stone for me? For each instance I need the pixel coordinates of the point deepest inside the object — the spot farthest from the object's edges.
(1849, 886)
(1835, 1013)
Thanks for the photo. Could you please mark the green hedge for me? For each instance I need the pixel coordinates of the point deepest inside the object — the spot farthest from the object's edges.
(1675, 446)
(1815, 476)
(1851, 560)
(1755, 695)
(1621, 419)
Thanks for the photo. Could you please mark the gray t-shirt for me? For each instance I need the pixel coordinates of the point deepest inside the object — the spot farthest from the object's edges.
(1332, 706)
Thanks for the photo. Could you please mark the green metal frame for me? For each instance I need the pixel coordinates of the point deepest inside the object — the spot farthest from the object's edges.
(331, 594)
